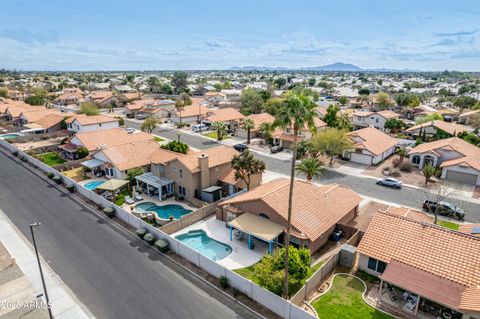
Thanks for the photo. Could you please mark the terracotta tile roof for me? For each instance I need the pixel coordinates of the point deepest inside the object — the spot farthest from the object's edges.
(373, 140)
(362, 113)
(89, 120)
(216, 156)
(50, 120)
(110, 137)
(388, 114)
(15, 109)
(470, 300)
(469, 113)
(162, 156)
(101, 95)
(445, 253)
(468, 229)
(137, 105)
(261, 118)
(409, 213)
(450, 128)
(229, 177)
(223, 115)
(131, 155)
(315, 208)
(193, 110)
(35, 115)
(69, 96)
(471, 153)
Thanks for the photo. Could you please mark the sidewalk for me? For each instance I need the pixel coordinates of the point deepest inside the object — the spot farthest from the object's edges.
(64, 303)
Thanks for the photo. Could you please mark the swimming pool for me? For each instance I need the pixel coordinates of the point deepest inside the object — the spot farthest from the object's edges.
(164, 211)
(92, 185)
(205, 245)
(11, 135)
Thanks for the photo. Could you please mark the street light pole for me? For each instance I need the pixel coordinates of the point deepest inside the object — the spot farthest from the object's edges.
(40, 268)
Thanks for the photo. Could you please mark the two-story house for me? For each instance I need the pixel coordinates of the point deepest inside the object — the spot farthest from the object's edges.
(284, 136)
(377, 120)
(82, 123)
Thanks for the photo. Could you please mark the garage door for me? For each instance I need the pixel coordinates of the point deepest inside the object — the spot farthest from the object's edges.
(361, 158)
(461, 177)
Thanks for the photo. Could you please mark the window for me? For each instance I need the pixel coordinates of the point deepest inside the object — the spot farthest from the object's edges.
(180, 173)
(100, 124)
(416, 160)
(182, 190)
(376, 265)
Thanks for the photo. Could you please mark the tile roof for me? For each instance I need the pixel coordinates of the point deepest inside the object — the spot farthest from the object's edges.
(410, 213)
(110, 137)
(261, 118)
(372, 140)
(469, 113)
(89, 120)
(50, 120)
(226, 114)
(131, 155)
(35, 115)
(388, 114)
(216, 156)
(450, 128)
(315, 208)
(194, 109)
(468, 229)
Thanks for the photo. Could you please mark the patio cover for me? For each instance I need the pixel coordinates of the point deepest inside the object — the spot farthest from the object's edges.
(211, 189)
(112, 184)
(425, 284)
(92, 163)
(153, 180)
(257, 226)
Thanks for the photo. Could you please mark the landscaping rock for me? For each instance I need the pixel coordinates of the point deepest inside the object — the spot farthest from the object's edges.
(162, 245)
(109, 211)
(71, 188)
(149, 238)
(141, 232)
(57, 179)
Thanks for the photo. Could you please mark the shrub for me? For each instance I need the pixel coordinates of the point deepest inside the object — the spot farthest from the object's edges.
(395, 173)
(223, 282)
(236, 292)
(396, 162)
(121, 121)
(149, 238)
(71, 188)
(406, 167)
(50, 175)
(141, 232)
(176, 146)
(15, 153)
(162, 245)
(109, 211)
(82, 152)
(57, 179)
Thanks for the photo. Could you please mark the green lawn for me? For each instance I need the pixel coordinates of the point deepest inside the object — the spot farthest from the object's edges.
(158, 139)
(214, 135)
(51, 159)
(344, 301)
(448, 224)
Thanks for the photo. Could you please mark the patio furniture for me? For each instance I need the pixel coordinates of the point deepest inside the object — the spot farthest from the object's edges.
(138, 197)
(239, 235)
(129, 200)
(410, 306)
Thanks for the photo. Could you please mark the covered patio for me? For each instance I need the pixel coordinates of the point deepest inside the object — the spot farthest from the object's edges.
(258, 227)
(153, 185)
(94, 165)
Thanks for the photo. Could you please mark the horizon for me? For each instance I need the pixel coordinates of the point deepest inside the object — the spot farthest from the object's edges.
(431, 36)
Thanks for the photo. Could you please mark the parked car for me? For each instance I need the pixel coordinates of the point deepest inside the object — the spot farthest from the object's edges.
(129, 130)
(444, 209)
(199, 127)
(276, 149)
(390, 181)
(240, 147)
(140, 116)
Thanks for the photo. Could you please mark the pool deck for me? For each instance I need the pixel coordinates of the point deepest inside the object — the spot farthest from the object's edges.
(168, 201)
(241, 256)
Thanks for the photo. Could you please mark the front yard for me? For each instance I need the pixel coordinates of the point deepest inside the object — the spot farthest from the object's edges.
(51, 158)
(344, 301)
(214, 135)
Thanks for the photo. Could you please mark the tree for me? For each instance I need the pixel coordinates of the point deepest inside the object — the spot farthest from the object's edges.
(227, 85)
(432, 117)
(364, 91)
(183, 100)
(272, 106)
(331, 142)
(248, 124)
(428, 172)
(179, 81)
(407, 99)
(251, 102)
(35, 100)
(88, 109)
(266, 129)
(344, 122)
(134, 172)
(245, 166)
(218, 87)
(280, 82)
(149, 125)
(394, 125)
(220, 128)
(297, 112)
(343, 100)
(311, 167)
(82, 152)
(331, 116)
(402, 151)
(176, 146)
(464, 102)
(4, 92)
(383, 101)
(311, 82)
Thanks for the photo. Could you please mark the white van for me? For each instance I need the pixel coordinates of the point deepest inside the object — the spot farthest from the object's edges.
(199, 127)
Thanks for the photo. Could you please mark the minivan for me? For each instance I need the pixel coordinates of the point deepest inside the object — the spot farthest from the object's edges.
(199, 127)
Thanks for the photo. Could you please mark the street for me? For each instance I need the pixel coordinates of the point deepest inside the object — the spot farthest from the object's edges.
(110, 271)
(406, 196)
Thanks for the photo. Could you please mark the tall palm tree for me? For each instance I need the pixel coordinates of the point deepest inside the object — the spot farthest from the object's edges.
(248, 124)
(297, 112)
(267, 129)
(312, 167)
(180, 105)
(220, 128)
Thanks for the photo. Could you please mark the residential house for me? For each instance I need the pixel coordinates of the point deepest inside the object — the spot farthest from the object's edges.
(191, 113)
(232, 94)
(33, 115)
(69, 99)
(363, 119)
(434, 128)
(258, 119)
(215, 98)
(124, 88)
(132, 108)
(158, 108)
(230, 116)
(47, 124)
(316, 213)
(15, 108)
(284, 136)
(438, 266)
(458, 159)
(370, 146)
(82, 123)
(466, 117)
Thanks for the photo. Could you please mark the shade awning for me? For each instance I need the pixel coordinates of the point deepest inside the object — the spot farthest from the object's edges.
(424, 284)
(257, 226)
(154, 180)
(211, 189)
(112, 184)
(92, 163)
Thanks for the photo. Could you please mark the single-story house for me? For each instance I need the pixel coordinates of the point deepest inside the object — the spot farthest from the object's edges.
(258, 119)
(438, 268)
(82, 123)
(191, 113)
(68, 99)
(47, 124)
(230, 116)
(370, 146)
(458, 159)
(433, 128)
(466, 117)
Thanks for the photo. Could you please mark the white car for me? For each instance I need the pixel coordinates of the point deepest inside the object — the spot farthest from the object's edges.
(199, 127)
(129, 130)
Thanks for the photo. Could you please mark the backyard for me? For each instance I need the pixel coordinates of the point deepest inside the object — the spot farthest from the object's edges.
(51, 158)
(344, 300)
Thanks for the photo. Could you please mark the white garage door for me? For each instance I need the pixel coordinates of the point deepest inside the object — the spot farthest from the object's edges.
(461, 177)
(361, 158)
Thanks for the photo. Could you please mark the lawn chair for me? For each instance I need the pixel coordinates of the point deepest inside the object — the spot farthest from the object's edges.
(129, 200)
(138, 197)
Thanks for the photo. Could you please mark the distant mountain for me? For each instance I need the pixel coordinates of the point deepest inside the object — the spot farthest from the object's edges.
(338, 66)
(256, 68)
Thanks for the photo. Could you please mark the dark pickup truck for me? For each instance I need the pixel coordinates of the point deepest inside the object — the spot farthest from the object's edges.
(444, 209)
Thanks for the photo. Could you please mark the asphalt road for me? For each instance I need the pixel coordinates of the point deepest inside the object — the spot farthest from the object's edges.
(110, 271)
(406, 196)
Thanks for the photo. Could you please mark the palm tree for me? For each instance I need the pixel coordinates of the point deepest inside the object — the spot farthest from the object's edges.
(180, 105)
(296, 113)
(248, 124)
(267, 129)
(428, 172)
(220, 128)
(311, 167)
(344, 122)
(402, 151)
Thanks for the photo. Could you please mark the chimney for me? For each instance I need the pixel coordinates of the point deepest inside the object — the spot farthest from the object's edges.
(204, 171)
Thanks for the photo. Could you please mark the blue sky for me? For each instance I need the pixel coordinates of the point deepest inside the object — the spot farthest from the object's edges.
(155, 35)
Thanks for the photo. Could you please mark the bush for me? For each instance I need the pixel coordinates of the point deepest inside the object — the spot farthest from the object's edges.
(224, 282)
(50, 175)
(236, 292)
(71, 188)
(141, 232)
(395, 173)
(15, 153)
(82, 152)
(396, 162)
(109, 211)
(406, 167)
(57, 179)
(121, 121)
(162, 245)
(176, 146)
(149, 238)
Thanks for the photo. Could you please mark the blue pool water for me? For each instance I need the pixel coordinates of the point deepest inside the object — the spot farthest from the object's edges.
(12, 135)
(92, 185)
(164, 211)
(201, 242)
